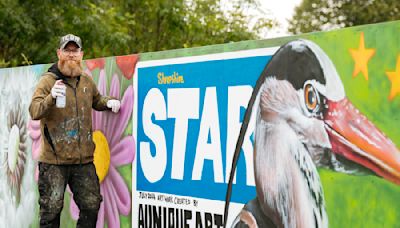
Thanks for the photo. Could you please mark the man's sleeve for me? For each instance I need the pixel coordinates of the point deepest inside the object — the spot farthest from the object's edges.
(41, 99)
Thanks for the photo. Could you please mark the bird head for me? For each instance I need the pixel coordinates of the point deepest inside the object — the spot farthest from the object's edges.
(303, 88)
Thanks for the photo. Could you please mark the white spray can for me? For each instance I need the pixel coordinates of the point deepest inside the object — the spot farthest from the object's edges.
(61, 101)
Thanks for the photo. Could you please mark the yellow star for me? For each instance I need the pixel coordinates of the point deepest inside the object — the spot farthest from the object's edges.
(394, 77)
(361, 57)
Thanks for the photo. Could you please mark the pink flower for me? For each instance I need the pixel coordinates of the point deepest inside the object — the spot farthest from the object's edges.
(116, 195)
(34, 133)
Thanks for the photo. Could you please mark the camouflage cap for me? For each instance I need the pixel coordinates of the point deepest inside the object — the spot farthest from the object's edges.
(70, 38)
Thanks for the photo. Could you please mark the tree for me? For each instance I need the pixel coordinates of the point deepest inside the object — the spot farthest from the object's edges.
(319, 15)
(29, 30)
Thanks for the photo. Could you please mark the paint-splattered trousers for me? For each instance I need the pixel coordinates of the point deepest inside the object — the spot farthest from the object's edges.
(84, 184)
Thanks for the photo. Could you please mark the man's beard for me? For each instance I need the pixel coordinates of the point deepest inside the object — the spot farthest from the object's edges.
(71, 68)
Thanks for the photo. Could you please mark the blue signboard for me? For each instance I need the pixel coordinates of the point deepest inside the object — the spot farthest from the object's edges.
(184, 118)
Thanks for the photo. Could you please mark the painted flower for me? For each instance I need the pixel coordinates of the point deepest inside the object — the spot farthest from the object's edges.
(17, 195)
(15, 150)
(18, 199)
(112, 151)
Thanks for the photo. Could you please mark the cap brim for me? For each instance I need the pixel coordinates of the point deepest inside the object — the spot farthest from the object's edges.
(62, 46)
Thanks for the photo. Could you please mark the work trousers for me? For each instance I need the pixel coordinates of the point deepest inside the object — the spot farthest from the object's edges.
(84, 184)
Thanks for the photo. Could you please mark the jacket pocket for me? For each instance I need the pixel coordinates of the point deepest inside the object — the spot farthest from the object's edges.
(49, 140)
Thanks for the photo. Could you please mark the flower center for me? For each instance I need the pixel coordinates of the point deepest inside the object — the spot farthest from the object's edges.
(13, 147)
(101, 155)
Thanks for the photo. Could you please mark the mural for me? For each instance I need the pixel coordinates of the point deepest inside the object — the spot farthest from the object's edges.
(300, 129)
(20, 140)
(290, 132)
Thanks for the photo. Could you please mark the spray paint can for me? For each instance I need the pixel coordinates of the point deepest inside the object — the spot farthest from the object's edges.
(61, 101)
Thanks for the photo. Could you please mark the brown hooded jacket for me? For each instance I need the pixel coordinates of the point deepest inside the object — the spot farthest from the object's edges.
(66, 132)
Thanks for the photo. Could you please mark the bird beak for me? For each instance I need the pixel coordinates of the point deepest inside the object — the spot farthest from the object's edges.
(353, 136)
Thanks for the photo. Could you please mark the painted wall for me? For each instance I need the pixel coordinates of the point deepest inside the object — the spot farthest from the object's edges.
(190, 105)
(172, 144)
(20, 145)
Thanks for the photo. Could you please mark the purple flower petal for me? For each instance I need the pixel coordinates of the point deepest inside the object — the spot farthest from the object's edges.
(115, 87)
(102, 85)
(34, 134)
(34, 129)
(97, 117)
(124, 152)
(119, 191)
(36, 149)
(113, 118)
(124, 115)
(34, 124)
(111, 210)
(110, 117)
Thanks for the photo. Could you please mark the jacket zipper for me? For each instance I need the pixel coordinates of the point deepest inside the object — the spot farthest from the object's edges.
(49, 140)
(79, 126)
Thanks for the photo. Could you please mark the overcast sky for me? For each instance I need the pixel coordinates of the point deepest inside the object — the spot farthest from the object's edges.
(281, 10)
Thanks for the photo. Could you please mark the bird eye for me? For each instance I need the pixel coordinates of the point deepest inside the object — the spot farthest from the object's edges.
(311, 98)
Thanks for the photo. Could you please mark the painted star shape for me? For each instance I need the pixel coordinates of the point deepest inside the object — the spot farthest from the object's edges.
(394, 77)
(361, 57)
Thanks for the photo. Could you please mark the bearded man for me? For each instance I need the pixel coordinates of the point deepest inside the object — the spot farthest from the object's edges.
(67, 148)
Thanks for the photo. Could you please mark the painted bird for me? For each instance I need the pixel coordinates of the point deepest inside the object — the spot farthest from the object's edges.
(305, 121)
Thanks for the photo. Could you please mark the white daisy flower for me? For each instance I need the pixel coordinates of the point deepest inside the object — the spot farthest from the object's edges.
(18, 189)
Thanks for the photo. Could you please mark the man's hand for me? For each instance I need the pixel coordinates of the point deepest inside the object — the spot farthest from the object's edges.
(58, 89)
(114, 105)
